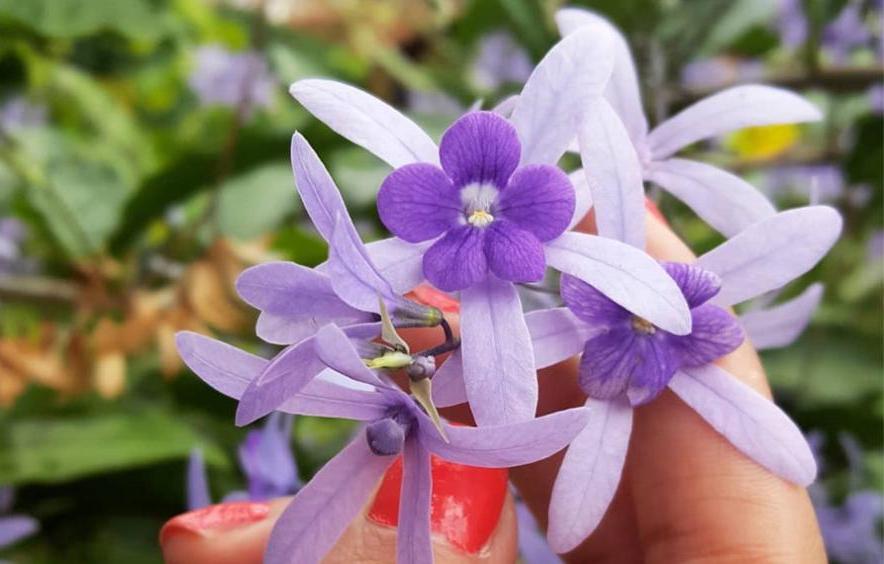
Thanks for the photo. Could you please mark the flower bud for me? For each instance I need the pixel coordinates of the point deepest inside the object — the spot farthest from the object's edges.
(421, 367)
(385, 437)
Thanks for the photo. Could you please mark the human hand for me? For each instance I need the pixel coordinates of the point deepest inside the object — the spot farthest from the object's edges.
(686, 494)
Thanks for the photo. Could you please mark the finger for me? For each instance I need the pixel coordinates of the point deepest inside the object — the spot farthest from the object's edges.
(473, 521)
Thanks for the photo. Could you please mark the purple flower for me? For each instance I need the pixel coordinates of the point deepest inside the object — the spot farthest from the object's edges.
(630, 357)
(266, 458)
(500, 60)
(717, 72)
(820, 182)
(791, 23)
(846, 32)
(772, 327)
(13, 528)
(395, 424)
(533, 548)
(18, 113)
(489, 209)
(723, 200)
(876, 98)
(875, 246)
(231, 79)
(492, 214)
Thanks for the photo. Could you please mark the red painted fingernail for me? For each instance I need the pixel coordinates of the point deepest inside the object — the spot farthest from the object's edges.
(466, 506)
(221, 517)
(655, 211)
(430, 296)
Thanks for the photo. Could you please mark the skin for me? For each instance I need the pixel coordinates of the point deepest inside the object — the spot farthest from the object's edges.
(686, 494)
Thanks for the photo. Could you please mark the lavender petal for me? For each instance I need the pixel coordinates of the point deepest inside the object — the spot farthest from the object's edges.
(725, 201)
(751, 422)
(352, 275)
(366, 121)
(772, 252)
(780, 325)
(14, 528)
(413, 543)
(197, 482)
(332, 499)
(610, 161)
(626, 275)
(582, 197)
(735, 108)
(498, 359)
(448, 384)
(223, 367)
(399, 263)
(556, 334)
(337, 352)
(321, 398)
(589, 475)
(554, 100)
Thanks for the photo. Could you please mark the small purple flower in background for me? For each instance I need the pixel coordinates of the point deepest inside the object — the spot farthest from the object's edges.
(266, 459)
(395, 424)
(13, 528)
(18, 113)
(12, 234)
(821, 182)
(846, 32)
(791, 23)
(851, 530)
(719, 72)
(876, 98)
(533, 548)
(489, 208)
(875, 246)
(231, 79)
(723, 200)
(499, 61)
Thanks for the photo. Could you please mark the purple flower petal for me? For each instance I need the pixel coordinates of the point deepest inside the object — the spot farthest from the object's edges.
(284, 330)
(321, 512)
(287, 374)
(539, 199)
(698, 285)
(418, 202)
(513, 253)
(626, 275)
(448, 384)
(725, 201)
(457, 260)
(533, 548)
(197, 483)
(321, 398)
(480, 147)
(296, 293)
(400, 263)
(413, 544)
(751, 422)
(622, 90)
(555, 98)
(267, 459)
(735, 108)
(366, 121)
(589, 475)
(780, 325)
(556, 334)
(335, 350)
(590, 305)
(716, 332)
(14, 528)
(223, 367)
(321, 197)
(353, 276)
(582, 197)
(503, 446)
(610, 161)
(772, 252)
(498, 359)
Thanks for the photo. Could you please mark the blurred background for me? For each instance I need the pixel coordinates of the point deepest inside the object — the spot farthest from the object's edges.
(144, 163)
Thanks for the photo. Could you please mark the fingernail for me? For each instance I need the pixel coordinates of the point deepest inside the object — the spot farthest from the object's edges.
(214, 518)
(430, 296)
(655, 211)
(466, 504)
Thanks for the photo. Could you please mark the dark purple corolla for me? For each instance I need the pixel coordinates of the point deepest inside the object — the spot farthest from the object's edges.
(489, 209)
(13, 528)
(631, 358)
(493, 215)
(266, 459)
(395, 424)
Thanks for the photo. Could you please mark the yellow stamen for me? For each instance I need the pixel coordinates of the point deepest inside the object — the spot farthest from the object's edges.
(480, 218)
(642, 325)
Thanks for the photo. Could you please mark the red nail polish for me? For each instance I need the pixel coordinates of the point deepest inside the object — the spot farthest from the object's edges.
(214, 517)
(430, 296)
(655, 211)
(466, 502)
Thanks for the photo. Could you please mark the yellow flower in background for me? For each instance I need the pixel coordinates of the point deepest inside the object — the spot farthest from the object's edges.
(764, 142)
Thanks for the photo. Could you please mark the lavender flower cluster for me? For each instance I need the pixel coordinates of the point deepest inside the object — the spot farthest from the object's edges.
(486, 213)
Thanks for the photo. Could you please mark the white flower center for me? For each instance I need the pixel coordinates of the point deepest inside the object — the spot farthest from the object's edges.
(478, 203)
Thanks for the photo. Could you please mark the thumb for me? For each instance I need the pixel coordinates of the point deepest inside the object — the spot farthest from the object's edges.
(473, 520)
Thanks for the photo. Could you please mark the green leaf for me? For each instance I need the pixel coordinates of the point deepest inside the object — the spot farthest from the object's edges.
(358, 174)
(66, 448)
(135, 19)
(738, 19)
(257, 201)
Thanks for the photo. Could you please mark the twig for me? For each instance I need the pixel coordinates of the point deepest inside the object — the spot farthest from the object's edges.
(37, 288)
